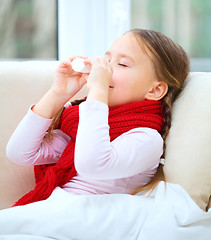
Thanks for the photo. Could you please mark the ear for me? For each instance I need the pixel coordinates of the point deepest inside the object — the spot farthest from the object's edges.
(157, 91)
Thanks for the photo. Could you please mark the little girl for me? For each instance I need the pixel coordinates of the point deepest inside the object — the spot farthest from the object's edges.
(111, 142)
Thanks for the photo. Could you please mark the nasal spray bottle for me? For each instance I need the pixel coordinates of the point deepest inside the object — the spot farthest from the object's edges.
(78, 65)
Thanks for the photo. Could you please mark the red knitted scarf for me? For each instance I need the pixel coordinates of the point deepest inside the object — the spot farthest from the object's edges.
(147, 113)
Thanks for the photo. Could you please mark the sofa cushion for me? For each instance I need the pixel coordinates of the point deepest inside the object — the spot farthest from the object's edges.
(188, 152)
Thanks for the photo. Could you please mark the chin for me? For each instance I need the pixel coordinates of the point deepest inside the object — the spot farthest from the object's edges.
(112, 104)
(116, 103)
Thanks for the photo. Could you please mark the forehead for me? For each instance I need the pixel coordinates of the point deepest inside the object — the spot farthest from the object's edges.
(129, 45)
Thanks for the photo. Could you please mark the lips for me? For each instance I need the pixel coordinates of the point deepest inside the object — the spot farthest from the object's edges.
(111, 87)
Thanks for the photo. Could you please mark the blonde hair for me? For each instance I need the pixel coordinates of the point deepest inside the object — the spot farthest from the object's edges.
(172, 66)
(56, 121)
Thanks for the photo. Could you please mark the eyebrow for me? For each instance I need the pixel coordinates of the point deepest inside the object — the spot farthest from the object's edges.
(121, 55)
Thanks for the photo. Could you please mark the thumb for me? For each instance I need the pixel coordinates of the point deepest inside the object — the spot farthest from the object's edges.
(83, 79)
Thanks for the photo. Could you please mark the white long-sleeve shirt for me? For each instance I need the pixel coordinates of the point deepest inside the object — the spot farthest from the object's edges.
(103, 167)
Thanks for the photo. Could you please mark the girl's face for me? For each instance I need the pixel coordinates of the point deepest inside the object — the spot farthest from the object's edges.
(133, 72)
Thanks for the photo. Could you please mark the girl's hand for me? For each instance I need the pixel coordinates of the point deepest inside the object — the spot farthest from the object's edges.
(100, 74)
(99, 79)
(68, 82)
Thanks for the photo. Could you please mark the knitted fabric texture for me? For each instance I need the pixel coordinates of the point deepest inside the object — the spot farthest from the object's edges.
(147, 113)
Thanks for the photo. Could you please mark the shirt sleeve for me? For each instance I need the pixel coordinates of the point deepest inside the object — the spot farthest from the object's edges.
(28, 145)
(96, 157)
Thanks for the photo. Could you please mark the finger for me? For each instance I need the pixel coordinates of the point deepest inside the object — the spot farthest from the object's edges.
(90, 61)
(85, 76)
(77, 56)
(62, 70)
(64, 64)
(83, 80)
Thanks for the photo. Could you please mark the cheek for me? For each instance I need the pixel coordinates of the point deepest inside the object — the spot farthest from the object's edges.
(121, 79)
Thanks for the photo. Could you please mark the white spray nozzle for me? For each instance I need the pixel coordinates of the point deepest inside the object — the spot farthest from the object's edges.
(78, 65)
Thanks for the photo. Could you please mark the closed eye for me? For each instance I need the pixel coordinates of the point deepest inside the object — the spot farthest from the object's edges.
(123, 65)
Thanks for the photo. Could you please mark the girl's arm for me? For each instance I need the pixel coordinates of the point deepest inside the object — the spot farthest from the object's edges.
(28, 145)
(134, 152)
(96, 157)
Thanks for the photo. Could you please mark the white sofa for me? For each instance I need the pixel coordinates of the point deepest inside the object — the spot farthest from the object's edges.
(21, 84)
(188, 155)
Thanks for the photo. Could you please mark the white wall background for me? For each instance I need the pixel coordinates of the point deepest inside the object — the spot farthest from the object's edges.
(89, 27)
